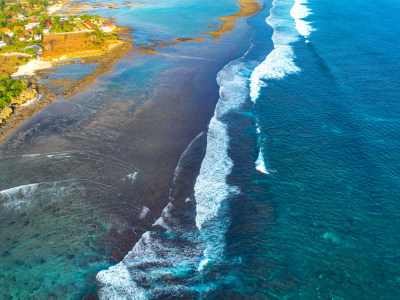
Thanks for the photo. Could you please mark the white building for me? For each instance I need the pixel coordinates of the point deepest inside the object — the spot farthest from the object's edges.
(108, 27)
(32, 24)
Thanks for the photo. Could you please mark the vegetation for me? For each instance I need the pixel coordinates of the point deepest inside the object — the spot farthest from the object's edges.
(9, 89)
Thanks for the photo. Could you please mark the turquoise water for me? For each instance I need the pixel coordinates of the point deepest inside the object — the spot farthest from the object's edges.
(296, 196)
(290, 192)
(83, 179)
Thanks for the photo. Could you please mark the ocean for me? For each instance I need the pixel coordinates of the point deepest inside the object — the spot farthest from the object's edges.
(262, 165)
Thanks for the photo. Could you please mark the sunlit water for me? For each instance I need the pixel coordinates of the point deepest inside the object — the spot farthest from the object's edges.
(291, 191)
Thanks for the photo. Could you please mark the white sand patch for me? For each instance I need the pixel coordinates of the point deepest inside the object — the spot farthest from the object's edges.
(31, 67)
(52, 9)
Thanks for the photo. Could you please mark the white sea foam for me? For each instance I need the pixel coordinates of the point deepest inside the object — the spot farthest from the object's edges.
(211, 188)
(260, 163)
(131, 177)
(144, 212)
(280, 62)
(299, 12)
(18, 197)
(154, 256)
(277, 65)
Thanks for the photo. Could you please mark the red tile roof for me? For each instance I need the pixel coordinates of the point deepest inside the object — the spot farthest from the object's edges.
(89, 24)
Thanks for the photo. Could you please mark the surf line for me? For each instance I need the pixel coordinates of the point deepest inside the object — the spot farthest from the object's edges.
(280, 61)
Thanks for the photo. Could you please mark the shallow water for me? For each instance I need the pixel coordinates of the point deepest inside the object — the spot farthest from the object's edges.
(84, 178)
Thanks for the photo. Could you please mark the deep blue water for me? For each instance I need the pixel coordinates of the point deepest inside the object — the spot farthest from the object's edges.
(324, 223)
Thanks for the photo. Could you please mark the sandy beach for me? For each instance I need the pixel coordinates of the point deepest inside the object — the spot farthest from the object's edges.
(52, 9)
(31, 67)
(247, 8)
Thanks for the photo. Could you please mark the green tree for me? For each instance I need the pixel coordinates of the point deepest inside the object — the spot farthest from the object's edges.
(9, 89)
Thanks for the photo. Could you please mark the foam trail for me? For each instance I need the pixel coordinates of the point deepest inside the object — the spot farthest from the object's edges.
(131, 177)
(260, 164)
(299, 12)
(157, 257)
(280, 62)
(171, 250)
(19, 197)
(211, 188)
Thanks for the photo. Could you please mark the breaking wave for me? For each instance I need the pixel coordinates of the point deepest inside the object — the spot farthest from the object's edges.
(19, 197)
(280, 62)
(171, 259)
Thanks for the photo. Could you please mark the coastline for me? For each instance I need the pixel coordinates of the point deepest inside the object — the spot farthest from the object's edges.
(247, 9)
(101, 57)
(150, 140)
(105, 59)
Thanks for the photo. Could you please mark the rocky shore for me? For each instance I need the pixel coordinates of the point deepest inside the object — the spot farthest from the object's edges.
(29, 94)
(37, 95)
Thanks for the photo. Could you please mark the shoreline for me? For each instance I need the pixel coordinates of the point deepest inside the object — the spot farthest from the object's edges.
(247, 9)
(118, 49)
(179, 95)
(104, 59)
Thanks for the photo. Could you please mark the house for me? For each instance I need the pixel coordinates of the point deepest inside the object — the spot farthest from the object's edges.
(32, 24)
(37, 48)
(81, 27)
(5, 30)
(90, 25)
(2, 43)
(22, 38)
(108, 27)
(15, 28)
(21, 17)
(28, 31)
(46, 30)
(38, 37)
(48, 24)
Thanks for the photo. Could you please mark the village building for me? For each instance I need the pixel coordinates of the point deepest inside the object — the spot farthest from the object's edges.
(32, 24)
(90, 25)
(38, 37)
(2, 43)
(81, 27)
(108, 27)
(22, 38)
(5, 30)
(15, 28)
(28, 31)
